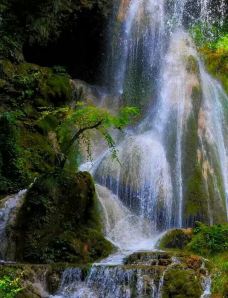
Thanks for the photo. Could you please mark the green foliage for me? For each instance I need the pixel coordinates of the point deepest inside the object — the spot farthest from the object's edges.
(11, 161)
(181, 283)
(38, 85)
(78, 122)
(209, 240)
(214, 36)
(212, 42)
(56, 88)
(222, 43)
(9, 287)
(175, 239)
(220, 274)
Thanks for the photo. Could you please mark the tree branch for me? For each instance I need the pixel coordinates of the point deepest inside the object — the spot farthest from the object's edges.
(79, 132)
(76, 136)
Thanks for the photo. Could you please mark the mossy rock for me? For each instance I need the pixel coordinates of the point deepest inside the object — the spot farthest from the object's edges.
(33, 281)
(192, 65)
(216, 63)
(177, 238)
(12, 176)
(26, 149)
(41, 86)
(60, 222)
(179, 283)
(57, 88)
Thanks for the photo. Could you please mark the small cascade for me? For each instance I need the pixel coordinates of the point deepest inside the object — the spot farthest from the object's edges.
(139, 31)
(7, 213)
(175, 261)
(206, 282)
(207, 9)
(122, 227)
(119, 281)
(213, 131)
(141, 179)
(142, 274)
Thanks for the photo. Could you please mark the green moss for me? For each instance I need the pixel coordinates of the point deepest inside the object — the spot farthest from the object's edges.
(192, 65)
(59, 221)
(220, 275)
(197, 96)
(7, 69)
(3, 83)
(57, 88)
(216, 61)
(196, 195)
(32, 83)
(12, 175)
(177, 238)
(181, 283)
(38, 153)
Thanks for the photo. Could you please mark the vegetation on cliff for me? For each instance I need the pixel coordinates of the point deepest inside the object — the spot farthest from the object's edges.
(209, 242)
(40, 127)
(212, 42)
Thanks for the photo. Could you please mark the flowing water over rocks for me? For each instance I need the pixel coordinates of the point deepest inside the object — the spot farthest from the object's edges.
(172, 166)
(7, 213)
(182, 139)
(141, 275)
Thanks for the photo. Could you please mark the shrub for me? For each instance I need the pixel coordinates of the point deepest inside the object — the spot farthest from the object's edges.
(209, 240)
(9, 287)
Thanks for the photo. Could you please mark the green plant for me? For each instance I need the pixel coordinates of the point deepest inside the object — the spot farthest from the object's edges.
(9, 287)
(11, 159)
(212, 36)
(76, 123)
(222, 43)
(209, 240)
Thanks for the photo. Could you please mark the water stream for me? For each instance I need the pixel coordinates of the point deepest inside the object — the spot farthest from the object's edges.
(181, 142)
(7, 209)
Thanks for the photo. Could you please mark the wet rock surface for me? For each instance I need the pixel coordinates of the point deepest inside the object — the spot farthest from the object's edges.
(142, 274)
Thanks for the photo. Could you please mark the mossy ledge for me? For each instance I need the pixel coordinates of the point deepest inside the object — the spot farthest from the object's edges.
(59, 221)
(211, 242)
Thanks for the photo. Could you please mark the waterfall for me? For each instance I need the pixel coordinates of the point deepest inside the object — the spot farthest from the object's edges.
(206, 282)
(122, 281)
(138, 46)
(154, 59)
(215, 115)
(122, 227)
(172, 166)
(141, 179)
(7, 208)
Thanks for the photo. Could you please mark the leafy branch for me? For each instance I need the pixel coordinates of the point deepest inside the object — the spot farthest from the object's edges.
(74, 123)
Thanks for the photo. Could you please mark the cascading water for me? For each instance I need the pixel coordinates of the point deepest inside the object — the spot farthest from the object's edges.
(172, 167)
(122, 227)
(157, 168)
(6, 213)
